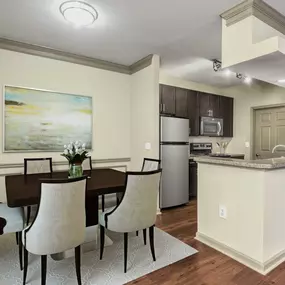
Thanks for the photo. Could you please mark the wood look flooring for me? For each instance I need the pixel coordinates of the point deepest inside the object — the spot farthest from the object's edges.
(208, 266)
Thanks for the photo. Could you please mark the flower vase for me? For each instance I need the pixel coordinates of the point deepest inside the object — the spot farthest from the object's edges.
(75, 170)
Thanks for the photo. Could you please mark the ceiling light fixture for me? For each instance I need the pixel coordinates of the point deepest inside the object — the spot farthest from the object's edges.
(281, 81)
(239, 76)
(78, 13)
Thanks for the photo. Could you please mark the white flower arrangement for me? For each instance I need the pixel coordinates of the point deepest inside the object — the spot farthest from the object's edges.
(75, 152)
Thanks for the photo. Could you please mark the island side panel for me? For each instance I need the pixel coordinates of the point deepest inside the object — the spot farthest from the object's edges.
(274, 217)
(240, 190)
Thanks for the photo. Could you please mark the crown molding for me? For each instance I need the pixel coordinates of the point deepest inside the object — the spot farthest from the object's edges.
(141, 64)
(46, 52)
(42, 51)
(260, 10)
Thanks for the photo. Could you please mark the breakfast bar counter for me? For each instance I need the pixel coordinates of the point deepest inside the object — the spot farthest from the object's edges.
(241, 209)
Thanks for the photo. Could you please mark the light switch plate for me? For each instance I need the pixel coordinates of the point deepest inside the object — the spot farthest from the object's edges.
(147, 146)
(247, 144)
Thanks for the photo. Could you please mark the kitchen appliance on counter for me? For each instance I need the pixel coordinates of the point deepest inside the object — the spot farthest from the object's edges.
(174, 153)
(212, 127)
(196, 149)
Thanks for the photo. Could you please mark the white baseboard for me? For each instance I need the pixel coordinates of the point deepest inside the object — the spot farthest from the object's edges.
(261, 267)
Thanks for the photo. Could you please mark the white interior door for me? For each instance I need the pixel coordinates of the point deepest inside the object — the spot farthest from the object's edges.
(269, 132)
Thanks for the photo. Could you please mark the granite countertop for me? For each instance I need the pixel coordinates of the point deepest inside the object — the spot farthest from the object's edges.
(230, 154)
(266, 164)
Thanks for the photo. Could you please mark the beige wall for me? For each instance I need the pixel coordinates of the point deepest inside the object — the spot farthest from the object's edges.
(111, 93)
(145, 113)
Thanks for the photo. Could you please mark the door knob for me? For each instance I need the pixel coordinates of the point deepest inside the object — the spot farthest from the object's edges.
(257, 155)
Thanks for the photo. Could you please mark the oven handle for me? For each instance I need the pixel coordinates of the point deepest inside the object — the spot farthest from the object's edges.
(220, 129)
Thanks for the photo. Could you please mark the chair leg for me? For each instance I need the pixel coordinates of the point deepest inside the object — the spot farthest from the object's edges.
(28, 214)
(151, 241)
(137, 233)
(44, 269)
(25, 266)
(20, 244)
(78, 264)
(17, 238)
(102, 241)
(144, 236)
(125, 251)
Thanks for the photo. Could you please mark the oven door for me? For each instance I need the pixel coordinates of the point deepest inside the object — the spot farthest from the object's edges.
(211, 127)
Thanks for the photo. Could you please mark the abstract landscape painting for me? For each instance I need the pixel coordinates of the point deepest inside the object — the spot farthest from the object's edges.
(36, 120)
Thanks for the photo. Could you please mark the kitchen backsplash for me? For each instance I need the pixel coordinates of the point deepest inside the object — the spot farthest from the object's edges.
(212, 140)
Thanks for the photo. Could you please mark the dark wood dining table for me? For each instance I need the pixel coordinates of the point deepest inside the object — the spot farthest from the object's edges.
(24, 190)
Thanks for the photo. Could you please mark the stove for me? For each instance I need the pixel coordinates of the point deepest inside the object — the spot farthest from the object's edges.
(200, 149)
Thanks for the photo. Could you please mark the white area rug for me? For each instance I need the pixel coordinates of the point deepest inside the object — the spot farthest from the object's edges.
(108, 271)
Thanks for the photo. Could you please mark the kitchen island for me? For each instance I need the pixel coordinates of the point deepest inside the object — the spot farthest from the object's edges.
(241, 209)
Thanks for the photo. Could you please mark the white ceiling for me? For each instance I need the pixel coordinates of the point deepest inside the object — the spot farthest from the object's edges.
(185, 33)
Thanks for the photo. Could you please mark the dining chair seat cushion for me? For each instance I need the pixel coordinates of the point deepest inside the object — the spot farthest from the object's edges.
(14, 218)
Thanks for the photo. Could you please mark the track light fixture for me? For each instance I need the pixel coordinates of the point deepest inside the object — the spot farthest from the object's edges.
(217, 65)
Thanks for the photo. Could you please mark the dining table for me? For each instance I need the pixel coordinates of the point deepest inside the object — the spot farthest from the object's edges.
(24, 190)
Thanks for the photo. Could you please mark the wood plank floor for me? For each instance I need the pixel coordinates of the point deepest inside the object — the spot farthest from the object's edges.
(208, 267)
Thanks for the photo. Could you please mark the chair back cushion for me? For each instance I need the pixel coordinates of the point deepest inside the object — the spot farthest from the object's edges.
(150, 164)
(60, 221)
(138, 208)
(87, 164)
(37, 165)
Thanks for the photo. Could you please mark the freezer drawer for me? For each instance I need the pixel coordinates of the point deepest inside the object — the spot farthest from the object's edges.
(175, 175)
(174, 129)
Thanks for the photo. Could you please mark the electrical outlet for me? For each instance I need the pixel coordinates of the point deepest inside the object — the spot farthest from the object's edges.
(222, 212)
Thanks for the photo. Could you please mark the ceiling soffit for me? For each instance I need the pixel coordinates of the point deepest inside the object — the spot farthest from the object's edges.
(260, 10)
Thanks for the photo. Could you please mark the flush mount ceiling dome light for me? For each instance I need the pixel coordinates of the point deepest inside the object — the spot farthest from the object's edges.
(78, 13)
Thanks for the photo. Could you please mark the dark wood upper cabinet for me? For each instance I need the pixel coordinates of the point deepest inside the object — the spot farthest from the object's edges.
(193, 112)
(209, 105)
(204, 104)
(227, 113)
(167, 100)
(215, 105)
(191, 104)
(181, 103)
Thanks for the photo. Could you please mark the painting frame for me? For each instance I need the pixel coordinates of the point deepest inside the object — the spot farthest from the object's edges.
(5, 86)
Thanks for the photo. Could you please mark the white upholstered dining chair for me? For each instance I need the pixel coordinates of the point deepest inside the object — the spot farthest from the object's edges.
(12, 220)
(149, 164)
(87, 164)
(136, 211)
(59, 224)
(33, 166)
(108, 200)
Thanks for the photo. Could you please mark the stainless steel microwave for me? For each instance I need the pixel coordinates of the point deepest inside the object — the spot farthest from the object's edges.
(212, 127)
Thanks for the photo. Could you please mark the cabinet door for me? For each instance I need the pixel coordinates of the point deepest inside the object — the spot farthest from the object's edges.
(215, 105)
(167, 100)
(204, 104)
(227, 112)
(181, 103)
(193, 112)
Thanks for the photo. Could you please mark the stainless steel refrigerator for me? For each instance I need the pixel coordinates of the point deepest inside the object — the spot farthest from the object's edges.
(174, 155)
